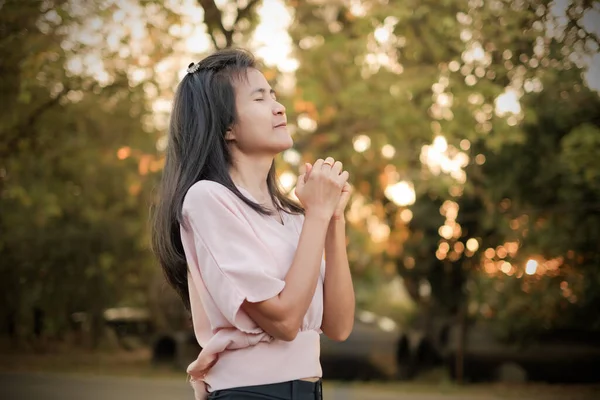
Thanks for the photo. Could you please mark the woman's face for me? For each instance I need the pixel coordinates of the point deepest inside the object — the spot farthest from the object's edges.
(261, 125)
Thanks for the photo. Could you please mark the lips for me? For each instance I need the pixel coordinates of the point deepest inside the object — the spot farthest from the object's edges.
(281, 125)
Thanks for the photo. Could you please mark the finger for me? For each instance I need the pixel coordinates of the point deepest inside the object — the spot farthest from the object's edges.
(300, 184)
(337, 167)
(343, 177)
(301, 180)
(307, 174)
(328, 163)
(303, 169)
(318, 164)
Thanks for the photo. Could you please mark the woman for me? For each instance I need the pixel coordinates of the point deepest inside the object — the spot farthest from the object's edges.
(246, 260)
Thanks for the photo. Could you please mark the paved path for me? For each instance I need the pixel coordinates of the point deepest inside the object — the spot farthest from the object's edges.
(32, 386)
(66, 387)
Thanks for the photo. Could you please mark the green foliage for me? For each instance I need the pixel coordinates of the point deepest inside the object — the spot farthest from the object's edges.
(552, 184)
(78, 154)
(73, 224)
(531, 179)
(580, 149)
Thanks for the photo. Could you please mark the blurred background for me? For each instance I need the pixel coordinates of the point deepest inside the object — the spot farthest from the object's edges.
(470, 128)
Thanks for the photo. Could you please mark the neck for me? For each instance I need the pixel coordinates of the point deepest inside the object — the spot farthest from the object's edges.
(250, 172)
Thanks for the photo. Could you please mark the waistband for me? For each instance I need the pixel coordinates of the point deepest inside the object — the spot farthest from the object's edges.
(289, 389)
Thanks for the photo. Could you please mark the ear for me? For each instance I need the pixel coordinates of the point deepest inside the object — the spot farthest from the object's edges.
(229, 134)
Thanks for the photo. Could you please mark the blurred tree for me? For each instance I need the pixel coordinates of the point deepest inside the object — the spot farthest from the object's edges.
(481, 106)
(83, 113)
(76, 147)
(548, 204)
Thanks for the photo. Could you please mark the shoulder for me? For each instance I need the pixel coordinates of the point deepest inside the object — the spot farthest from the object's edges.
(207, 193)
(206, 188)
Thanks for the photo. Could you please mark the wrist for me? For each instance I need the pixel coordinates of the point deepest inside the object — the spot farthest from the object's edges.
(317, 216)
(341, 220)
(336, 222)
(336, 228)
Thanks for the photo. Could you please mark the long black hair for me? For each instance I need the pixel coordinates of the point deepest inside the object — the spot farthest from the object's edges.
(203, 110)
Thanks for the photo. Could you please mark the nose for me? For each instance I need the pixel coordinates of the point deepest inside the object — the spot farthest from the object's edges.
(278, 108)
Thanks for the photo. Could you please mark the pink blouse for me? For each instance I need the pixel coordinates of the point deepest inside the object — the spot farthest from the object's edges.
(236, 254)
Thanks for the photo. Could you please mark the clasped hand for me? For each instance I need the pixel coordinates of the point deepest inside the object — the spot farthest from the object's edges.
(323, 188)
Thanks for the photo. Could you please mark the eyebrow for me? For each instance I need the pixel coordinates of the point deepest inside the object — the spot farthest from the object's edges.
(262, 91)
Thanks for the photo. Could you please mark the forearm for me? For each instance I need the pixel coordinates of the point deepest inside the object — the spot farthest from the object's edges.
(338, 291)
(301, 279)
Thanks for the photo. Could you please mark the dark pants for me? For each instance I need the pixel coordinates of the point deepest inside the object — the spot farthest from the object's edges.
(291, 390)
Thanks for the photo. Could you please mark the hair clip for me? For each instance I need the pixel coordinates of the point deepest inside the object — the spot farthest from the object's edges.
(193, 68)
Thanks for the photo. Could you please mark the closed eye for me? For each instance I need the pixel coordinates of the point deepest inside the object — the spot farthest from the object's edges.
(262, 92)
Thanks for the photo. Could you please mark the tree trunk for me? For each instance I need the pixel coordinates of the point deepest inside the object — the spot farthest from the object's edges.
(462, 338)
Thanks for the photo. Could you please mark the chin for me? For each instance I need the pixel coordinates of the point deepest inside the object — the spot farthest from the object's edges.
(289, 144)
(284, 144)
(282, 148)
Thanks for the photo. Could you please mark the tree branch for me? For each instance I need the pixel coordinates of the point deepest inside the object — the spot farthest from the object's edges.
(22, 129)
(213, 18)
(574, 21)
(244, 12)
(588, 34)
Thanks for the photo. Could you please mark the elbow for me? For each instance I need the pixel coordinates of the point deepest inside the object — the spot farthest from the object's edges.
(287, 330)
(274, 319)
(339, 334)
(288, 336)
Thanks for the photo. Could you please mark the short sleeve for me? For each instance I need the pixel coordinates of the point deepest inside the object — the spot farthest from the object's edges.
(231, 258)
